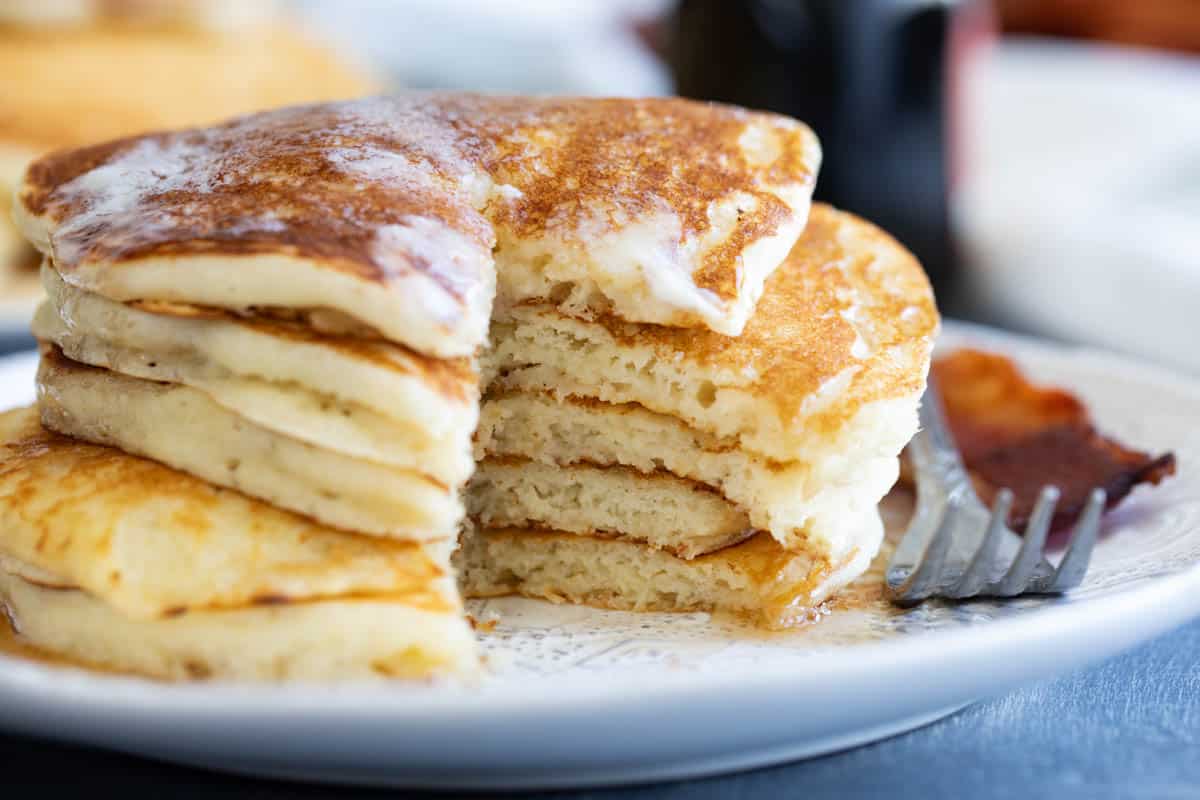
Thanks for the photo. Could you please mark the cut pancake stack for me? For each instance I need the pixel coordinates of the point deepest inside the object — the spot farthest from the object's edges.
(289, 308)
(200, 314)
(120, 562)
(652, 467)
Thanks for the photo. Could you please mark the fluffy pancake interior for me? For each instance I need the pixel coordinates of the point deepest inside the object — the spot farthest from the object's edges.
(187, 344)
(340, 426)
(661, 510)
(757, 579)
(183, 428)
(799, 502)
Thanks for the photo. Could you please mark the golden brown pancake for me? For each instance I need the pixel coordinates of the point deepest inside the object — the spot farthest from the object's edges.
(119, 561)
(698, 436)
(387, 211)
(76, 72)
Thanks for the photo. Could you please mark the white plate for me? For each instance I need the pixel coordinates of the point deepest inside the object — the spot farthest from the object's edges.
(589, 697)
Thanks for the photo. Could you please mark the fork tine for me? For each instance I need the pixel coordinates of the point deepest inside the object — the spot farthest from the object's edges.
(1079, 552)
(1031, 549)
(977, 574)
(924, 579)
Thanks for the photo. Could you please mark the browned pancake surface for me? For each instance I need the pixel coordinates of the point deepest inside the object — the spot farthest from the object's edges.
(844, 281)
(321, 182)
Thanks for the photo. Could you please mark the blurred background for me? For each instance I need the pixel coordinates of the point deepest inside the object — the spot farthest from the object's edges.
(1041, 157)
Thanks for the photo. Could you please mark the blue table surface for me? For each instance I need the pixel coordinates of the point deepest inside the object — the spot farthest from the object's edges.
(1128, 727)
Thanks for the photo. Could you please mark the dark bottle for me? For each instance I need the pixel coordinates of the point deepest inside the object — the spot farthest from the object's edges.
(868, 75)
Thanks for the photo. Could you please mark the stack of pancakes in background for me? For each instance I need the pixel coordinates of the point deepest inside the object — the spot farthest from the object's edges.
(686, 403)
(74, 72)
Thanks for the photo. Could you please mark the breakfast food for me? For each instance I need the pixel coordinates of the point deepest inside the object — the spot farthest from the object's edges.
(190, 430)
(1014, 434)
(689, 441)
(678, 401)
(120, 562)
(73, 72)
(202, 285)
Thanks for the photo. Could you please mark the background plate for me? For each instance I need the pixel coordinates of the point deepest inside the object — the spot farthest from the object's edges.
(580, 696)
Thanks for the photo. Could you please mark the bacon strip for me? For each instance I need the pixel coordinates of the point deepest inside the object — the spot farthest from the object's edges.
(1017, 435)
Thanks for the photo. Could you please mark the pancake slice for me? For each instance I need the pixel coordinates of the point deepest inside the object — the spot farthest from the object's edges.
(798, 501)
(117, 561)
(185, 429)
(756, 580)
(661, 510)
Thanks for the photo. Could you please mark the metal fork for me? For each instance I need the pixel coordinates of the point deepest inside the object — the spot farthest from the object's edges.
(956, 548)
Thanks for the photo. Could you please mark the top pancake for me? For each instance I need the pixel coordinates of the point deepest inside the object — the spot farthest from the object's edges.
(388, 209)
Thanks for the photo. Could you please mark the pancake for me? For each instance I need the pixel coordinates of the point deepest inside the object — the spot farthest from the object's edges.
(688, 405)
(802, 503)
(757, 580)
(185, 429)
(369, 400)
(842, 334)
(387, 211)
(659, 509)
(799, 421)
(327, 640)
(120, 562)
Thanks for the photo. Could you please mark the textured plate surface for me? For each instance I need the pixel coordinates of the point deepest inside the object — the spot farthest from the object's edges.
(580, 696)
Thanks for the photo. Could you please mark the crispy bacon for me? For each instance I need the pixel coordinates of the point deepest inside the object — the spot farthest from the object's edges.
(1017, 435)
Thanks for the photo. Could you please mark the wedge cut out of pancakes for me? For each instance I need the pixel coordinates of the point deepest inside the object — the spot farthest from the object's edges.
(599, 349)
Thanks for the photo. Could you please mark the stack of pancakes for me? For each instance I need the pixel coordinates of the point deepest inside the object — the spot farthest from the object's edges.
(676, 413)
(120, 562)
(74, 72)
(677, 468)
